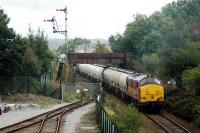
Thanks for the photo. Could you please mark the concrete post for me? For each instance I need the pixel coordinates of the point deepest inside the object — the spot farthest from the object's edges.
(1, 105)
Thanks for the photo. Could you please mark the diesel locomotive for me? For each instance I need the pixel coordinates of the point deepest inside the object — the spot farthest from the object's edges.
(145, 90)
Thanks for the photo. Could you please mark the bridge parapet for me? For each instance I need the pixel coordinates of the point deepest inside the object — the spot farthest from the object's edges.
(100, 58)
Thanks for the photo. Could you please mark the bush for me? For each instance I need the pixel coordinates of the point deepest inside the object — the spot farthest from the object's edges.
(191, 80)
(186, 107)
(128, 119)
(151, 63)
(196, 120)
(71, 96)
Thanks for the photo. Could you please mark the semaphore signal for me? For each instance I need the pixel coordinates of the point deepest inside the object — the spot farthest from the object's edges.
(56, 27)
(55, 24)
(57, 30)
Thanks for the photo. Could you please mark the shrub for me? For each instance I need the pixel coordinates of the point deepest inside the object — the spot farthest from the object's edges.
(186, 107)
(128, 119)
(196, 120)
(151, 63)
(191, 80)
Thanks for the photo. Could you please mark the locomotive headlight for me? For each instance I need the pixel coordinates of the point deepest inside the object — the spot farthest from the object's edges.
(143, 98)
(160, 99)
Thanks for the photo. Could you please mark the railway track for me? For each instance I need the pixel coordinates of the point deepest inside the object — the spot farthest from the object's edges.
(42, 119)
(166, 124)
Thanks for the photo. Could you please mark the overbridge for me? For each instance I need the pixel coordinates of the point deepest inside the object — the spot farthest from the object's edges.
(100, 58)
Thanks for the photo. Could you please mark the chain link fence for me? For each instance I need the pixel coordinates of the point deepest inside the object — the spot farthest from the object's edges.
(72, 92)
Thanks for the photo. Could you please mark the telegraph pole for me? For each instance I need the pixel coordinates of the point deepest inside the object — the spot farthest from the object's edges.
(57, 30)
(65, 31)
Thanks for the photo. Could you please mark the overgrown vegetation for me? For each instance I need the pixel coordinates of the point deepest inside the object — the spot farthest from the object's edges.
(101, 48)
(71, 96)
(167, 44)
(126, 118)
(72, 44)
(185, 107)
(88, 120)
(24, 56)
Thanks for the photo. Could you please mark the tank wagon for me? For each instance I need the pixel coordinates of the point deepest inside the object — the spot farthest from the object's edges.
(145, 90)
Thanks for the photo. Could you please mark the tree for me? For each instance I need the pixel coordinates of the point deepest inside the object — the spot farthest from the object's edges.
(175, 61)
(11, 48)
(142, 36)
(101, 48)
(151, 63)
(32, 64)
(38, 43)
(73, 44)
(170, 34)
(191, 80)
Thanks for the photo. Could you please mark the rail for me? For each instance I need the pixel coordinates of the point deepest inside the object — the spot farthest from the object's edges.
(183, 128)
(60, 114)
(31, 121)
(163, 126)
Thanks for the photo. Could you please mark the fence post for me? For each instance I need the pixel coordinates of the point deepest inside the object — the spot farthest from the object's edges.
(45, 84)
(28, 83)
(106, 125)
(113, 129)
(102, 120)
(104, 114)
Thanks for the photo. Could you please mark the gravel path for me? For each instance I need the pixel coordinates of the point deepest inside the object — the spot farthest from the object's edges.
(14, 116)
(71, 120)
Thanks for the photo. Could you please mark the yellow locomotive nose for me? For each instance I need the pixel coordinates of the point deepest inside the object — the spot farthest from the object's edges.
(151, 93)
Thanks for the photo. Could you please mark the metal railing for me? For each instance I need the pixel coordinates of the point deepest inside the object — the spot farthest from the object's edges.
(104, 121)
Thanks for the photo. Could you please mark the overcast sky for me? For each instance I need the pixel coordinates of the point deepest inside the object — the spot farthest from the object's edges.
(86, 18)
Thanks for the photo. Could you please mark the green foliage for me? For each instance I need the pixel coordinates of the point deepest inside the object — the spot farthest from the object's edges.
(32, 65)
(151, 63)
(72, 44)
(38, 42)
(110, 106)
(137, 66)
(11, 48)
(175, 61)
(185, 107)
(72, 96)
(191, 80)
(196, 119)
(128, 119)
(172, 34)
(101, 48)
(139, 37)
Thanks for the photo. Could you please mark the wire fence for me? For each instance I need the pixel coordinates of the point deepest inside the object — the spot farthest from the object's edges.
(93, 89)
(28, 84)
(20, 84)
(104, 121)
(77, 90)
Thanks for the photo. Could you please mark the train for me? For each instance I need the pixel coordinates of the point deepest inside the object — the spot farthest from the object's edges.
(145, 90)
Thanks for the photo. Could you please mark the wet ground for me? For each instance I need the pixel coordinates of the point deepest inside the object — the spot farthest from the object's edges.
(72, 121)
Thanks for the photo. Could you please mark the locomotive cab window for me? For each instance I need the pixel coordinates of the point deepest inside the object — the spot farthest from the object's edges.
(149, 80)
(157, 81)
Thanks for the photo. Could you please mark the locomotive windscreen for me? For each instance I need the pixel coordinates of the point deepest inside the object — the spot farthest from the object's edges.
(149, 80)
